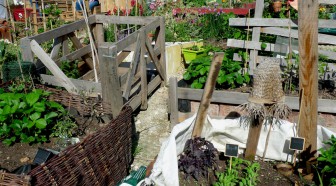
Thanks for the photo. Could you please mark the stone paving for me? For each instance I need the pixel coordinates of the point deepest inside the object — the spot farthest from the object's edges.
(153, 128)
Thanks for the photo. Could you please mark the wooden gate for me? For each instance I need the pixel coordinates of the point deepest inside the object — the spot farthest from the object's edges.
(121, 82)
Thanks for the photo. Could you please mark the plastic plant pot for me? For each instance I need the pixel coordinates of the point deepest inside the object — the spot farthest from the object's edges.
(42, 156)
(190, 55)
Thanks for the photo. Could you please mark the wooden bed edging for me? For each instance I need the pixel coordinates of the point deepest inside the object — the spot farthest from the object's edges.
(227, 97)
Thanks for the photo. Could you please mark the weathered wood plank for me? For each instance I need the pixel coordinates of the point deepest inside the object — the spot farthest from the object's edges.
(255, 35)
(173, 102)
(76, 54)
(330, 2)
(308, 71)
(156, 61)
(132, 69)
(136, 20)
(27, 54)
(87, 58)
(143, 72)
(56, 47)
(276, 22)
(322, 38)
(162, 45)
(135, 101)
(63, 30)
(54, 69)
(111, 91)
(237, 98)
(82, 85)
(65, 46)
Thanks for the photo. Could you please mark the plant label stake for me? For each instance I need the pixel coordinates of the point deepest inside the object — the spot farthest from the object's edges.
(231, 150)
(296, 144)
(207, 93)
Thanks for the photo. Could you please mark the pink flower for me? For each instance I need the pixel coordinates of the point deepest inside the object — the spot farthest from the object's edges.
(152, 6)
(132, 3)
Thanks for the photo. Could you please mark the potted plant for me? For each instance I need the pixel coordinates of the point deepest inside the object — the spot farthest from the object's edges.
(277, 5)
(192, 53)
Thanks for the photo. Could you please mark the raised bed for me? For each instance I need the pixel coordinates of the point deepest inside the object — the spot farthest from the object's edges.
(224, 97)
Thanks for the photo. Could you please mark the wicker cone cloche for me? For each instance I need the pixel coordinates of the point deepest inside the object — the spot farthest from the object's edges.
(267, 98)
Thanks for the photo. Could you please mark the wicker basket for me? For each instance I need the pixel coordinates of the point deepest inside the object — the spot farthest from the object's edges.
(7, 179)
(102, 158)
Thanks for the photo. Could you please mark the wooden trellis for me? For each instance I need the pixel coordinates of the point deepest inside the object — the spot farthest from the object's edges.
(121, 82)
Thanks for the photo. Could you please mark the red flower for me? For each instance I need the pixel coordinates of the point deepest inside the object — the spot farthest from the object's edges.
(132, 3)
(115, 11)
(140, 10)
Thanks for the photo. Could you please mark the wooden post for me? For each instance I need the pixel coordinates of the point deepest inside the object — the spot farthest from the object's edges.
(173, 102)
(253, 138)
(207, 93)
(308, 52)
(34, 16)
(162, 44)
(255, 35)
(98, 33)
(27, 54)
(143, 69)
(111, 91)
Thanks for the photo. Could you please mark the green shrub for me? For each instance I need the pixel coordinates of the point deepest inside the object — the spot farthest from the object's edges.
(327, 160)
(27, 118)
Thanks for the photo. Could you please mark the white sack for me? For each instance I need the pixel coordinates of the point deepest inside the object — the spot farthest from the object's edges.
(221, 132)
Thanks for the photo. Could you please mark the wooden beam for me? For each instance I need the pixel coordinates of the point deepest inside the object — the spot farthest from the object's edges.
(27, 54)
(173, 102)
(322, 38)
(156, 61)
(162, 47)
(308, 52)
(63, 30)
(111, 91)
(87, 58)
(278, 22)
(330, 2)
(134, 20)
(82, 85)
(207, 94)
(143, 72)
(54, 69)
(56, 48)
(255, 35)
(132, 69)
(238, 98)
(135, 101)
(76, 54)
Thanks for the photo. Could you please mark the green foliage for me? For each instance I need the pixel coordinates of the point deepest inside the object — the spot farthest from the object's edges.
(196, 3)
(8, 51)
(27, 118)
(243, 173)
(327, 160)
(109, 33)
(230, 75)
(64, 128)
(70, 69)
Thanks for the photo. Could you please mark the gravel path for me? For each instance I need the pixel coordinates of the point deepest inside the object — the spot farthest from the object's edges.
(153, 128)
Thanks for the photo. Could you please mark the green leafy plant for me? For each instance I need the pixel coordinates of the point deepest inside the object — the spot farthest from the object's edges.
(230, 75)
(8, 51)
(70, 69)
(243, 173)
(65, 127)
(327, 160)
(27, 118)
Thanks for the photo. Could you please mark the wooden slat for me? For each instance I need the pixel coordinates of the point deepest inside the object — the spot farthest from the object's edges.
(265, 22)
(111, 91)
(87, 58)
(162, 45)
(330, 2)
(136, 20)
(155, 59)
(82, 85)
(65, 46)
(255, 35)
(173, 102)
(270, 47)
(237, 98)
(132, 69)
(322, 38)
(27, 54)
(54, 69)
(56, 47)
(60, 31)
(135, 101)
(76, 54)
(143, 72)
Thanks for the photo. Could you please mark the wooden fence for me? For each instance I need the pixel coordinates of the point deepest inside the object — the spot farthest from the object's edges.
(121, 82)
(278, 27)
(226, 97)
